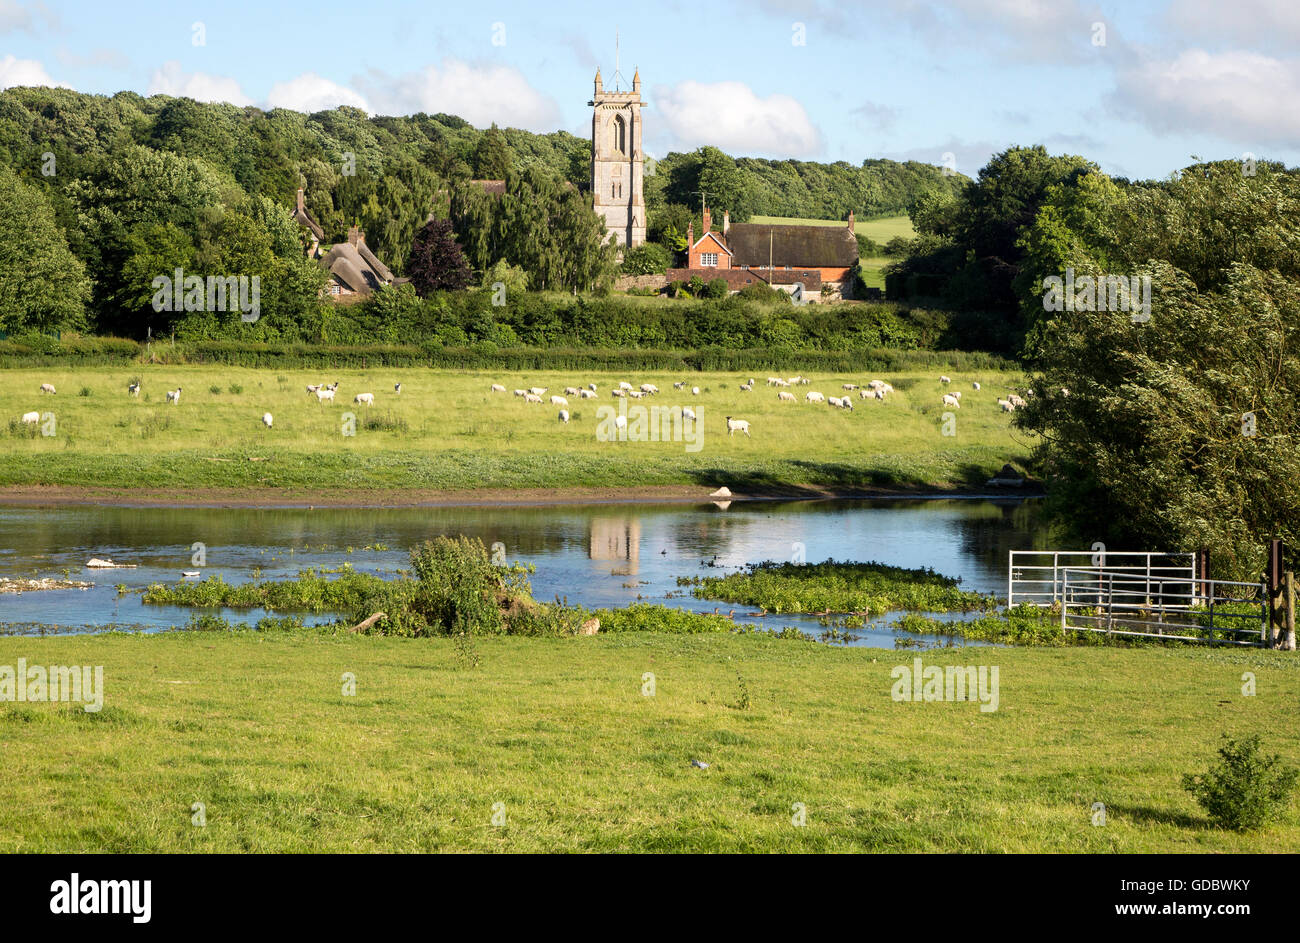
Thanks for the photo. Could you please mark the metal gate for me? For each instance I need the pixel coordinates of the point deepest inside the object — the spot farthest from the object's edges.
(1035, 576)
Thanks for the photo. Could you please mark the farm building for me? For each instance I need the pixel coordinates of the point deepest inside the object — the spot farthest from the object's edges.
(784, 255)
(354, 270)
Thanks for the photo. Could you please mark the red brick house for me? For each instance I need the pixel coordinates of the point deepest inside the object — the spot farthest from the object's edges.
(781, 254)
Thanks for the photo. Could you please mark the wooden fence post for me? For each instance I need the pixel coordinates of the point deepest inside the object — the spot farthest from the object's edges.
(1202, 574)
(1273, 580)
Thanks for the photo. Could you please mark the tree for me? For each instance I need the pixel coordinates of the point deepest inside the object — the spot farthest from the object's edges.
(436, 262)
(647, 259)
(492, 158)
(43, 286)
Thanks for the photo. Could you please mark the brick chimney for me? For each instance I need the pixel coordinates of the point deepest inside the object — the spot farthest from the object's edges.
(851, 229)
(690, 235)
(726, 221)
(708, 222)
(356, 235)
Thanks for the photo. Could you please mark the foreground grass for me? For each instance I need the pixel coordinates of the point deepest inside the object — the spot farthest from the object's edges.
(559, 732)
(446, 431)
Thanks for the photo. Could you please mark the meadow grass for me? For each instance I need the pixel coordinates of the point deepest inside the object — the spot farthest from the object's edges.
(446, 431)
(558, 731)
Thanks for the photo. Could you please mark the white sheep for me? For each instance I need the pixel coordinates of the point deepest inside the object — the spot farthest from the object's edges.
(564, 415)
(624, 385)
(737, 425)
(680, 384)
(783, 397)
(31, 418)
(312, 388)
(1007, 406)
(133, 388)
(521, 393)
(957, 393)
(618, 392)
(834, 401)
(865, 394)
(650, 389)
(975, 386)
(950, 400)
(586, 394)
(267, 420)
(1016, 401)
(47, 387)
(943, 379)
(688, 413)
(498, 388)
(323, 394)
(367, 398)
(397, 388)
(746, 388)
(174, 396)
(695, 391)
(570, 391)
(635, 394)
(849, 386)
(813, 396)
(620, 422)
(532, 398)
(559, 401)
(592, 387)
(537, 390)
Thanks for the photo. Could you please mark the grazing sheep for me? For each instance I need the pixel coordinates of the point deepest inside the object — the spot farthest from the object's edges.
(813, 396)
(943, 379)
(688, 413)
(975, 386)
(397, 388)
(133, 388)
(559, 401)
(267, 420)
(620, 422)
(366, 398)
(880, 394)
(47, 387)
(865, 394)
(635, 394)
(586, 394)
(1016, 401)
(849, 386)
(950, 400)
(564, 415)
(537, 390)
(650, 389)
(957, 393)
(876, 384)
(174, 396)
(737, 425)
(624, 385)
(618, 392)
(497, 388)
(312, 388)
(570, 391)
(521, 393)
(784, 397)
(323, 394)
(592, 387)
(695, 391)
(1007, 406)
(833, 401)
(773, 381)
(746, 388)
(31, 418)
(532, 398)
(680, 384)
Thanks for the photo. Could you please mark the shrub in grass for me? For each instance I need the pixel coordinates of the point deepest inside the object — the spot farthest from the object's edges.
(85, 391)
(1246, 789)
(383, 422)
(214, 389)
(23, 430)
(235, 388)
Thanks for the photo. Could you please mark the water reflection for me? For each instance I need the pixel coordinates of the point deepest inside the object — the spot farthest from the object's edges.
(593, 555)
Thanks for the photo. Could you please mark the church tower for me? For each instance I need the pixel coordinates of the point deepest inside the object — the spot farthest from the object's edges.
(617, 161)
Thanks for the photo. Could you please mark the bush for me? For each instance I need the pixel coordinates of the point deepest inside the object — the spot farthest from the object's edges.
(1246, 789)
(717, 288)
(647, 259)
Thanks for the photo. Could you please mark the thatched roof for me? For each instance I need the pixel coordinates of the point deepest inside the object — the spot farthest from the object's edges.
(351, 268)
(792, 244)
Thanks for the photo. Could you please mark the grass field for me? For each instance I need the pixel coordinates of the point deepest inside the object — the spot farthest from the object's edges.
(446, 431)
(878, 230)
(558, 731)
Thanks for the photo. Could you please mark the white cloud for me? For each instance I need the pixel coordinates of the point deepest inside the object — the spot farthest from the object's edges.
(481, 93)
(18, 72)
(730, 116)
(311, 93)
(171, 79)
(1257, 24)
(15, 17)
(1244, 97)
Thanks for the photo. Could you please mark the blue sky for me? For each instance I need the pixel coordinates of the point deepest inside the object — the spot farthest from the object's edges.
(1139, 87)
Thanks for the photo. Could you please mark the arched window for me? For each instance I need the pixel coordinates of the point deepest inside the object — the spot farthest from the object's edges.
(620, 134)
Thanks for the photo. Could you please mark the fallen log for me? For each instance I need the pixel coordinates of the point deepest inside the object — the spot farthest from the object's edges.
(365, 624)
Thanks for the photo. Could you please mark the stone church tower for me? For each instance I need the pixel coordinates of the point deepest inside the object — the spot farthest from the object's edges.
(617, 161)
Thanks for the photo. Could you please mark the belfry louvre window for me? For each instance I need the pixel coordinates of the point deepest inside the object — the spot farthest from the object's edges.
(709, 259)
